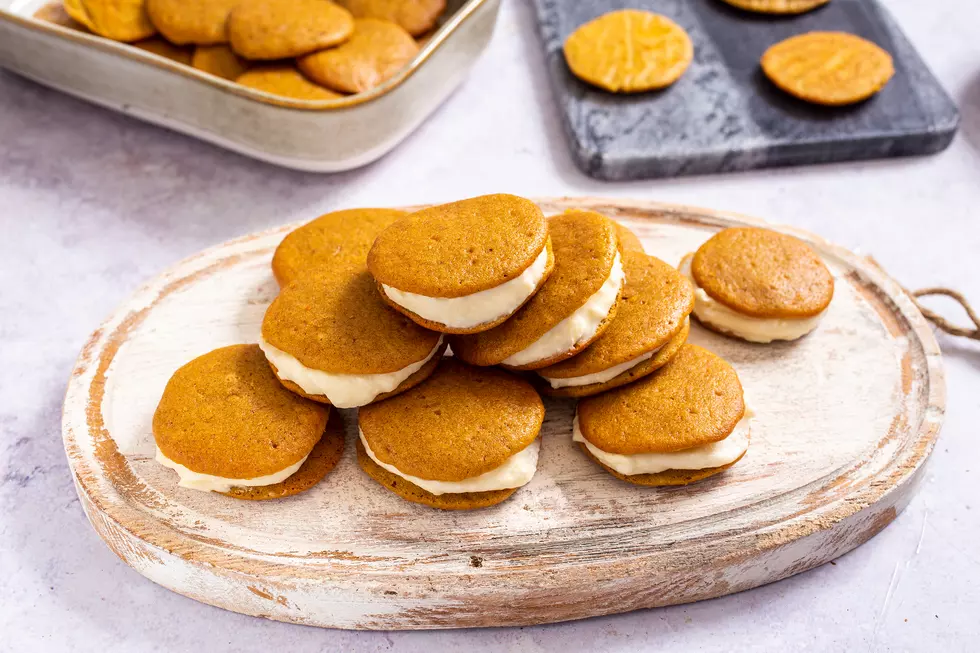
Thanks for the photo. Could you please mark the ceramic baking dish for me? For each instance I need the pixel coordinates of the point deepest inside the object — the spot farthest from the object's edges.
(320, 136)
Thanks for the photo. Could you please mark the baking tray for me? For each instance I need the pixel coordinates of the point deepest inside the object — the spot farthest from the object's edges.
(318, 136)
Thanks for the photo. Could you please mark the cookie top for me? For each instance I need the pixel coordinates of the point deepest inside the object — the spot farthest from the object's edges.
(273, 29)
(165, 48)
(763, 273)
(695, 399)
(461, 248)
(377, 50)
(656, 300)
(285, 80)
(226, 414)
(830, 68)
(629, 51)
(416, 16)
(628, 241)
(219, 60)
(183, 22)
(336, 322)
(119, 20)
(585, 247)
(461, 422)
(777, 6)
(337, 240)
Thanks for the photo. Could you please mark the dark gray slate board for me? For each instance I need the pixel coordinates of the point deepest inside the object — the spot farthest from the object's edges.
(723, 114)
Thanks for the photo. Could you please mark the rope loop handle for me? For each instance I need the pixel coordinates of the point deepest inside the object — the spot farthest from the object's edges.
(941, 322)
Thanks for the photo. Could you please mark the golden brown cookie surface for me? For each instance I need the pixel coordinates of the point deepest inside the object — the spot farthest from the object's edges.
(226, 414)
(277, 29)
(763, 273)
(462, 422)
(415, 16)
(693, 400)
(119, 20)
(830, 68)
(628, 241)
(629, 51)
(664, 478)
(286, 81)
(336, 240)
(219, 60)
(164, 48)
(777, 6)
(54, 12)
(376, 51)
(184, 22)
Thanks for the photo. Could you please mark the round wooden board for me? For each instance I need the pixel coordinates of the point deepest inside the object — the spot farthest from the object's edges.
(846, 418)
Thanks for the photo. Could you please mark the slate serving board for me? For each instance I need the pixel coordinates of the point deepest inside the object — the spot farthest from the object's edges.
(723, 114)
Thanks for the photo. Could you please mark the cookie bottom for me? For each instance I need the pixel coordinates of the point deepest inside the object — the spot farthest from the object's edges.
(664, 478)
(415, 494)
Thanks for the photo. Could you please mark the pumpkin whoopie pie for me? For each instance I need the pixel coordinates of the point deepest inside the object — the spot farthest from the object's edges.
(573, 308)
(650, 327)
(758, 285)
(200, 22)
(225, 424)
(339, 240)
(466, 266)
(465, 438)
(330, 338)
(628, 241)
(219, 60)
(686, 422)
(277, 29)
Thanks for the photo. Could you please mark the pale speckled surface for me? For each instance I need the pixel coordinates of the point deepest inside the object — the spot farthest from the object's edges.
(92, 204)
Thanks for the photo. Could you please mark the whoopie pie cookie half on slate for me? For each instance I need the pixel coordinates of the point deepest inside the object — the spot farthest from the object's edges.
(758, 285)
(573, 308)
(650, 327)
(466, 266)
(465, 438)
(684, 423)
(329, 337)
(225, 424)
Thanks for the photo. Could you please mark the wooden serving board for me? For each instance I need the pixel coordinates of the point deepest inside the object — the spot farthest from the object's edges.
(723, 114)
(846, 419)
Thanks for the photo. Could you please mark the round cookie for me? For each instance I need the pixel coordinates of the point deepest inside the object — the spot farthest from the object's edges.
(273, 29)
(784, 7)
(829, 68)
(459, 251)
(166, 49)
(329, 337)
(629, 51)
(219, 60)
(628, 241)
(414, 16)
(184, 22)
(652, 319)
(284, 80)
(339, 240)
(461, 424)
(377, 51)
(119, 20)
(224, 414)
(54, 12)
(571, 310)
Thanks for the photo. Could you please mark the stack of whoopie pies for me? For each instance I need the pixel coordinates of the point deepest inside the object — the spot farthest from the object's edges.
(568, 306)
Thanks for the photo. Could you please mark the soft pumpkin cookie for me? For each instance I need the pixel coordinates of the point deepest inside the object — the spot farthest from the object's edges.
(628, 241)
(629, 51)
(415, 16)
(465, 438)
(650, 327)
(286, 81)
(376, 52)
(219, 60)
(200, 22)
(54, 12)
(830, 68)
(573, 308)
(339, 240)
(466, 266)
(686, 422)
(777, 6)
(329, 337)
(758, 285)
(165, 48)
(279, 29)
(225, 422)
(119, 20)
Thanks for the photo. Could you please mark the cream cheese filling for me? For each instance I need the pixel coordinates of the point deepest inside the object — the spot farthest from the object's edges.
(746, 327)
(515, 472)
(599, 377)
(706, 456)
(477, 308)
(578, 327)
(208, 483)
(341, 390)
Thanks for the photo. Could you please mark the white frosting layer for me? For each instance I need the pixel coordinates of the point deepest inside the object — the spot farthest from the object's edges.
(341, 390)
(600, 377)
(208, 483)
(707, 456)
(578, 327)
(478, 308)
(746, 327)
(515, 472)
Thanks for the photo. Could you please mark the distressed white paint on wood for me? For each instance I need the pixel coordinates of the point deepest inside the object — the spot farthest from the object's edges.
(846, 418)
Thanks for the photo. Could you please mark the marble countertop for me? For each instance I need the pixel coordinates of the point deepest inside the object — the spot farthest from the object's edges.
(92, 204)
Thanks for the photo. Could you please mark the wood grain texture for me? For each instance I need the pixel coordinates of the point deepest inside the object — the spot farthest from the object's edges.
(846, 419)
